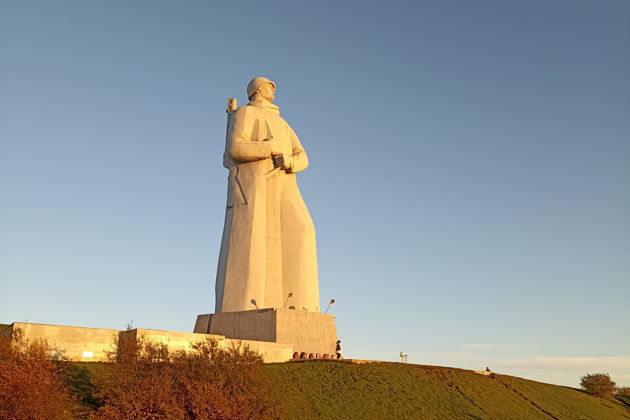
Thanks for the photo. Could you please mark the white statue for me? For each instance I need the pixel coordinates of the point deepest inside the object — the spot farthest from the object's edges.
(268, 257)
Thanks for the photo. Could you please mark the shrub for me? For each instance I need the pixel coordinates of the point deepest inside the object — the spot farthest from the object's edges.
(623, 390)
(223, 383)
(598, 384)
(146, 381)
(30, 382)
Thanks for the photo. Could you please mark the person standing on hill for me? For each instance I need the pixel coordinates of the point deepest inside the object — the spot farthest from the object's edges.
(338, 349)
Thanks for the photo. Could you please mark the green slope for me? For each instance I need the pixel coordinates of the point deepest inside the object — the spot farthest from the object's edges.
(322, 389)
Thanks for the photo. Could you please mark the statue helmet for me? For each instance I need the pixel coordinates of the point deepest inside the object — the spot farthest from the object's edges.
(256, 83)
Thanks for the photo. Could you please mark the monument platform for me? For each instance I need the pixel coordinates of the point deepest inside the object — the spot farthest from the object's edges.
(312, 334)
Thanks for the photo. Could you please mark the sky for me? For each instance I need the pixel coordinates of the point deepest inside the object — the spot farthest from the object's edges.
(469, 174)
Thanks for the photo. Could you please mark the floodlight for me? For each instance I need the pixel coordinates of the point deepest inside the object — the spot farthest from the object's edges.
(329, 303)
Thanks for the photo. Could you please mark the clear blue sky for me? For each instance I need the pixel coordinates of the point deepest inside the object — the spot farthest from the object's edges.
(469, 177)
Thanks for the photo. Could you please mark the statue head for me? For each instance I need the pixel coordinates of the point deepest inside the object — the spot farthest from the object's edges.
(262, 86)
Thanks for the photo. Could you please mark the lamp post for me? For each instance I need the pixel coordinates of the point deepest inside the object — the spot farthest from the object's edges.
(329, 303)
(285, 302)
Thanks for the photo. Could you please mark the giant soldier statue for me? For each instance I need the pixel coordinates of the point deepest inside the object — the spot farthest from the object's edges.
(268, 257)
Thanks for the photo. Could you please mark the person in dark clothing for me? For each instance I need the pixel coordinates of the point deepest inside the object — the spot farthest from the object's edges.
(338, 349)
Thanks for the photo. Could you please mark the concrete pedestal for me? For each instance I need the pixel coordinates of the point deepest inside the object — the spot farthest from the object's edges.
(308, 332)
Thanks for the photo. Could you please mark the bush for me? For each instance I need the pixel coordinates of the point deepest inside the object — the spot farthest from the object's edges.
(598, 384)
(142, 380)
(146, 381)
(623, 390)
(30, 382)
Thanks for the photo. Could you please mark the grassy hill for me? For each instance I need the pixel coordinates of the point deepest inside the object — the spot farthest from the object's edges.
(321, 389)
(327, 389)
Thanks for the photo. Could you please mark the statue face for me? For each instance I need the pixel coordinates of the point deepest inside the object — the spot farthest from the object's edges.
(267, 91)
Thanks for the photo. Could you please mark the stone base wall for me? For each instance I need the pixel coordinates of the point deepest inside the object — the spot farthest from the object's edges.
(83, 344)
(74, 343)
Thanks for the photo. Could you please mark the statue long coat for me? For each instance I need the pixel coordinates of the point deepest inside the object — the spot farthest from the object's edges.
(268, 244)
